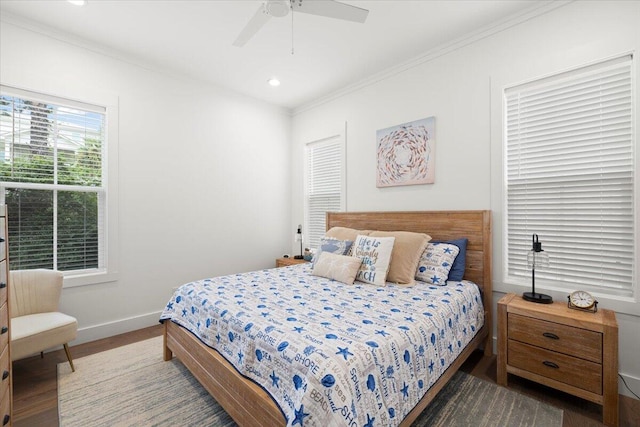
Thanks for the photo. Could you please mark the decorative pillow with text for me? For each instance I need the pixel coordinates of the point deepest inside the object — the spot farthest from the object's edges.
(435, 263)
(457, 270)
(375, 254)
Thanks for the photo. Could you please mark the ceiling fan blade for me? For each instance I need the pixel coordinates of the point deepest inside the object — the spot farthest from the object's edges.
(259, 19)
(331, 9)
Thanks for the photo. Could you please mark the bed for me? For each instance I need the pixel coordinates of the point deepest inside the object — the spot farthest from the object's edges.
(249, 404)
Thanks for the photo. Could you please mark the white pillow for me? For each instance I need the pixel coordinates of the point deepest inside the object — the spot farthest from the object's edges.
(337, 267)
(375, 253)
(435, 263)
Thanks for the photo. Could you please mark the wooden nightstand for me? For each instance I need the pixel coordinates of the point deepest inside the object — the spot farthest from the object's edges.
(283, 262)
(569, 350)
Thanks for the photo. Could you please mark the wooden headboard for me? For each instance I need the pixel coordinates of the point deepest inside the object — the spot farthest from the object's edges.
(440, 225)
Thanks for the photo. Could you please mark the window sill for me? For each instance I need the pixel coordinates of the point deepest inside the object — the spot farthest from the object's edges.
(74, 279)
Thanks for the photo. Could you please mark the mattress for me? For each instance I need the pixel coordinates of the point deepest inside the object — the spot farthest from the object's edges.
(331, 354)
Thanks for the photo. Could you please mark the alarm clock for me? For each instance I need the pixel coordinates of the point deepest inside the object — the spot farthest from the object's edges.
(582, 300)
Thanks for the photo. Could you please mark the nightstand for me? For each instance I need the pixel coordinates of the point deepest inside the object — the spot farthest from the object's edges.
(284, 262)
(569, 350)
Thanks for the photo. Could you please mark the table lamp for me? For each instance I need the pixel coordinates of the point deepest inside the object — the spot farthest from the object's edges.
(299, 239)
(536, 258)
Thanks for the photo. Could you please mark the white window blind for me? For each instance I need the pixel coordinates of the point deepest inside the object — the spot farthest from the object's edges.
(324, 186)
(570, 177)
(51, 179)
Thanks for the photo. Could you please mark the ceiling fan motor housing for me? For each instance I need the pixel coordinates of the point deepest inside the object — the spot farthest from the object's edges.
(277, 8)
(280, 8)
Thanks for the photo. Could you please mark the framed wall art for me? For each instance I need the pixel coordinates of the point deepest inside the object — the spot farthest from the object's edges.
(406, 154)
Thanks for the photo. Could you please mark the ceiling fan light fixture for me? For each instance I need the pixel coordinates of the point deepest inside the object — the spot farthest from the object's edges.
(273, 82)
(277, 8)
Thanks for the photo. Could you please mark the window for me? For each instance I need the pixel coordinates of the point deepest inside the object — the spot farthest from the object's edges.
(324, 170)
(570, 178)
(52, 179)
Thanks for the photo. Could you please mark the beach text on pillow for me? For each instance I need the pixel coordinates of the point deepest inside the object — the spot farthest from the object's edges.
(375, 253)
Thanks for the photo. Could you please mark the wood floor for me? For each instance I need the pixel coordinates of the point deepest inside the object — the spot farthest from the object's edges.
(35, 398)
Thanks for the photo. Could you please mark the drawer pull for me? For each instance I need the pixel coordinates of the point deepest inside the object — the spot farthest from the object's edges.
(5, 374)
(3, 285)
(550, 364)
(550, 335)
(6, 419)
(4, 330)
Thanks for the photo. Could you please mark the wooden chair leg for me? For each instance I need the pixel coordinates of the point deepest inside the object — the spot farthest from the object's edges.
(66, 350)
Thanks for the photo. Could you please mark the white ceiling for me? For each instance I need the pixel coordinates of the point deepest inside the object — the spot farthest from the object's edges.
(194, 38)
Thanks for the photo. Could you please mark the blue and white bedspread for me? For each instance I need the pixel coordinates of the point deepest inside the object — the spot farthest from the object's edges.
(332, 354)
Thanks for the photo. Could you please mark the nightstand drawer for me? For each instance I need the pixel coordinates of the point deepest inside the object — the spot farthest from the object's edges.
(554, 336)
(527, 347)
(567, 369)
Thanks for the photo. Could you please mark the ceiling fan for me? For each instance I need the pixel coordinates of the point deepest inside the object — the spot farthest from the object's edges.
(281, 8)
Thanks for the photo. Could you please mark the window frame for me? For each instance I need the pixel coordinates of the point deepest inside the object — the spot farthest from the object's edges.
(627, 304)
(109, 255)
(339, 139)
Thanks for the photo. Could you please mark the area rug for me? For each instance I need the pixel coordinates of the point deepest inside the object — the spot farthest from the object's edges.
(133, 386)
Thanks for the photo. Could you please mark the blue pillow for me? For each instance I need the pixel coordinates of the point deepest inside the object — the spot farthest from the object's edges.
(328, 244)
(459, 264)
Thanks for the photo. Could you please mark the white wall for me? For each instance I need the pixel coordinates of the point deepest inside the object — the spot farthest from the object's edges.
(203, 176)
(462, 90)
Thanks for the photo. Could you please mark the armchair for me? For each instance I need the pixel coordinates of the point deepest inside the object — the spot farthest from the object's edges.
(36, 323)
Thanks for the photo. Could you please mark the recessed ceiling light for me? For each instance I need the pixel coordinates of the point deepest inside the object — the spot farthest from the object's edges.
(78, 2)
(273, 81)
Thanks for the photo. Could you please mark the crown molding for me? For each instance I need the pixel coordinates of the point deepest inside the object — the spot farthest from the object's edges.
(118, 55)
(65, 37)
(430, 55)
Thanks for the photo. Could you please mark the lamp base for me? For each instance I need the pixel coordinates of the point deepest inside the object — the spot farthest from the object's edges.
(536, 297)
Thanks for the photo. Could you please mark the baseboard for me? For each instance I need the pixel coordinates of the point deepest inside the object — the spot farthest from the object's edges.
(632, 382)
(109, 329)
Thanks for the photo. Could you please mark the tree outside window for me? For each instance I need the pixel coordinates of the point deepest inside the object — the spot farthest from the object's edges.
(51, 179)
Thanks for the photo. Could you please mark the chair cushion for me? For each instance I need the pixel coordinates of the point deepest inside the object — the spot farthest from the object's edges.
(38, 332)
(34, 291)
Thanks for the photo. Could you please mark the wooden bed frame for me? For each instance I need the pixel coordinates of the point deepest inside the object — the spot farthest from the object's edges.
(249, 405)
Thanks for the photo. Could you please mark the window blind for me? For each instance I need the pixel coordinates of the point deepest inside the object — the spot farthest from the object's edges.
(570, 177)
(51, 179)
(324, 188)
